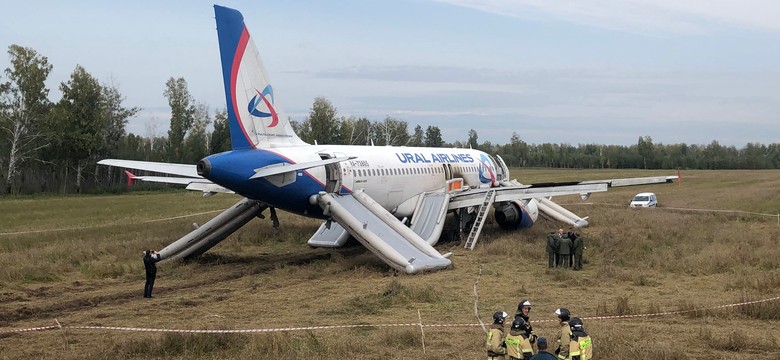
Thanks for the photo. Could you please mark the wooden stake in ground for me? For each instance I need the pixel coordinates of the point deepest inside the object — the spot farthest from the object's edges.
(422, 333)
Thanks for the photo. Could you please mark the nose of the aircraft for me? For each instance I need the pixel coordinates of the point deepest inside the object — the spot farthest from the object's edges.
(204, 168)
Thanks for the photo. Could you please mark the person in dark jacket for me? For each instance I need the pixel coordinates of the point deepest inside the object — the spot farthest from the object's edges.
(578, 246)
(558, 238)
(150, 258)
(573, 237)
(564, 249)
(551, 242)
(543, 354)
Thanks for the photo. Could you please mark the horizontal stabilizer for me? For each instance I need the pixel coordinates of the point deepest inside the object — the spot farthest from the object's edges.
(170, 179)
(165, 168)
(281, 168)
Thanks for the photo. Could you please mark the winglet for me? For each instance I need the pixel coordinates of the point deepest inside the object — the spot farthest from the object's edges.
(130, 178)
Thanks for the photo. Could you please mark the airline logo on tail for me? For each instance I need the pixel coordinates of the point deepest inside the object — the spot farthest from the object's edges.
(260, 99)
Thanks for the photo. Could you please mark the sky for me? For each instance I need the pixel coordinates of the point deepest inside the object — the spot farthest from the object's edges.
(577, 72)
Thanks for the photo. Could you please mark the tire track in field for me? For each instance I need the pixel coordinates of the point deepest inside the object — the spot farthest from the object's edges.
(253, 268)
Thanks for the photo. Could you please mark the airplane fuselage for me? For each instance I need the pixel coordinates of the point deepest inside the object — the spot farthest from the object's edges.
(392, 176)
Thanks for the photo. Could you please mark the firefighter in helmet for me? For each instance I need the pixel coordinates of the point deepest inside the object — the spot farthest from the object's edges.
(517, 345)
(524, 311)
(564, 336)
(580, 346)
(495, 346)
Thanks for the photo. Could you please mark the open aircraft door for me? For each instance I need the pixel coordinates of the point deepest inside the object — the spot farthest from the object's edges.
(502, 171)
(447, 171)
(336, 173)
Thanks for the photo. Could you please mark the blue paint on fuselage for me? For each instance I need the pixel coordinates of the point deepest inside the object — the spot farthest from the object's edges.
(233, 169)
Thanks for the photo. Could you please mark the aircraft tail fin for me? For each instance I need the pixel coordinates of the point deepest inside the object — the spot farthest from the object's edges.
(255, 118)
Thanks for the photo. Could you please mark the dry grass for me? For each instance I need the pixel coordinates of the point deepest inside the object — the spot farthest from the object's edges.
(638, 261)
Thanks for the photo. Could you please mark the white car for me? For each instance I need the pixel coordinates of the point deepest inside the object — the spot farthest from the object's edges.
(644, 200)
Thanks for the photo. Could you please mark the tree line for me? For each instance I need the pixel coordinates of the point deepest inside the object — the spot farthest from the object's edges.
(50, 146)
(325, 127)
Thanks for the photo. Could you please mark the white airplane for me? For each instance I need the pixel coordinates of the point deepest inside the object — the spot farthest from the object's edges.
(391, 199)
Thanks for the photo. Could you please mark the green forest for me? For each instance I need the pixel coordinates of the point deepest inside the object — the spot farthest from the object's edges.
(53, 146)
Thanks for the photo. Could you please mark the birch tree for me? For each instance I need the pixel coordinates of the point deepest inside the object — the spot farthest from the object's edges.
(182, 116)
(23, 105)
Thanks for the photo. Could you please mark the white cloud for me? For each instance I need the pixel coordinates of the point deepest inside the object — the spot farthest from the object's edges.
(644, 16)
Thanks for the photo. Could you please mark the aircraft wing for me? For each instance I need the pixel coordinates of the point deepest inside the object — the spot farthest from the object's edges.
(475, 197)
(609, 182)
(634, 181)
(513, 190)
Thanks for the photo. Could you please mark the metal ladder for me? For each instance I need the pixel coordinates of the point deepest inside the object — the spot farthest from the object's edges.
(476, 229)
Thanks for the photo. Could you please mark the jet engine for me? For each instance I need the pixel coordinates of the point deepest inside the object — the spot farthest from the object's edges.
(512, 215)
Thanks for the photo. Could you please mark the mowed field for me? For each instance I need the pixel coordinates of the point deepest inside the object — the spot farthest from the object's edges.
(638, 261)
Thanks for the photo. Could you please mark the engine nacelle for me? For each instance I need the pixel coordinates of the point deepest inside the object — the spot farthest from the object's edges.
(512, 215)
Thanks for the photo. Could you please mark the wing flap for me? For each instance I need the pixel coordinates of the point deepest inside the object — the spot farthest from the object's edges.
(634, 181)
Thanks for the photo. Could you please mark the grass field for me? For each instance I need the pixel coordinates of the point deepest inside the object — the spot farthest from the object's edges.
(638, 261)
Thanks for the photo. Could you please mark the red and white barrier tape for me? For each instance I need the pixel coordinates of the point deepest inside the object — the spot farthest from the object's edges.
(53, 327)
(328, 327)
(679, 311)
